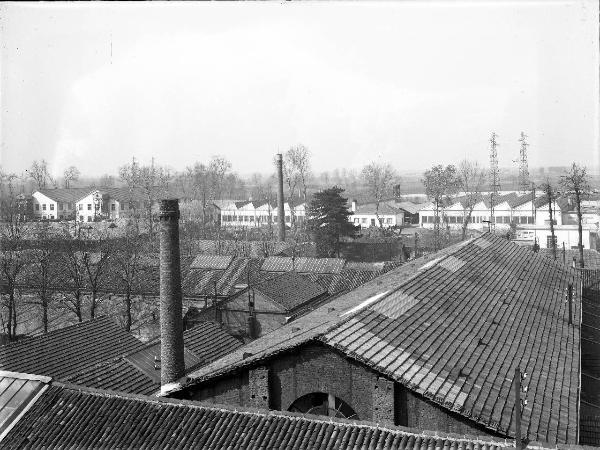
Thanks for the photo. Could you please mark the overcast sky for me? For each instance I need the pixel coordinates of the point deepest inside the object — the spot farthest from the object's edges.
(414, 84)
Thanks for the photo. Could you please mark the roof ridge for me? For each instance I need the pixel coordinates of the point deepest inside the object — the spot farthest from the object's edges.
(40, 337)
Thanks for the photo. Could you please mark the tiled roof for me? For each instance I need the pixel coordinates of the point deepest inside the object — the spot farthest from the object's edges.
(211, 262)
(136, 372)
(520, 200)
(124, 194)
(291, 290)
(591, 258)
(499, 199)
(252, 249)
(303, 264)
(68, 350)
(203, 282)
(409, 207)
(69, 195)
(69, 416)
(370, 208)
(209, 341)
(118, 375)
(454, 330)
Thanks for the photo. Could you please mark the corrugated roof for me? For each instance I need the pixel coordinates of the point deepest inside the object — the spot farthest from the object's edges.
(68, 350)
(454, 330)
(69, 416)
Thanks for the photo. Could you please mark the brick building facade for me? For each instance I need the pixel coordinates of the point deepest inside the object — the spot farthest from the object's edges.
(315, 368)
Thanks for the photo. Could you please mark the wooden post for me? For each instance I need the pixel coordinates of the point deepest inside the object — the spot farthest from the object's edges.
(517, 385)
(574, 262)
(564, 254)
(570, 297)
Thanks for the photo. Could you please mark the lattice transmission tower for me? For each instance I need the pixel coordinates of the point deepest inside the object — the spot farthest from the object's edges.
(494, 177)
(523, 166)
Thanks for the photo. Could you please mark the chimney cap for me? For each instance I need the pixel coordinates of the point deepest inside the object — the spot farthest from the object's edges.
(279, 157)
(169, 208)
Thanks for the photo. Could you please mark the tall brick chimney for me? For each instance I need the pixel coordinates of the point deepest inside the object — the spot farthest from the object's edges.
(280, 208)
(171, 323)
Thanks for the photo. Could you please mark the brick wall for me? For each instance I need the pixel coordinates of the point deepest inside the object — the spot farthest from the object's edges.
(318, 368)
(425, 415)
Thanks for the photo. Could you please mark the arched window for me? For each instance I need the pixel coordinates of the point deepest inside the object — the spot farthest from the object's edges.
(323, 404)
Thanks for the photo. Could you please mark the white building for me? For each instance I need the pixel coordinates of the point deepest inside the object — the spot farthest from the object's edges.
(256, 213)
(564, 234)
(365, 216)
(52, 204)
(299, 214)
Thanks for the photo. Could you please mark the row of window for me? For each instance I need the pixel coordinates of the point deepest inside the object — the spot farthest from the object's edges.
(61, 206)
(230, 218)
(481, 219)
(364, 220)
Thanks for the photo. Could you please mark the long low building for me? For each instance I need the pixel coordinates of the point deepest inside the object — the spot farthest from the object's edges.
(520, 210)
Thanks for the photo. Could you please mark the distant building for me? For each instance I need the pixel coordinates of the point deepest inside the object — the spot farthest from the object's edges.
(52, 204)
(369, 215)
(239, 214)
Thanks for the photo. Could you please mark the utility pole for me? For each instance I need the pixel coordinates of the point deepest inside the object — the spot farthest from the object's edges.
(570, 299)
(280, 205)
(523, 166)
(519, 404)
(494, 177)
(517, 386)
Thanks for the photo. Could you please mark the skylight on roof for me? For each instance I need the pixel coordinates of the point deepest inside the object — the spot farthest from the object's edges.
(364, 304)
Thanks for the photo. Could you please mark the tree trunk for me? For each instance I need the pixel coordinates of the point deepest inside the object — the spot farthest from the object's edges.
(465, 225)
(579, 228)
(14, 324)
(45, 314)
(11, 302)
(93, 305)
(128, 310)
(78, 306)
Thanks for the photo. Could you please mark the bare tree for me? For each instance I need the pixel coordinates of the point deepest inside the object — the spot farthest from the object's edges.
(13, 257)
(127, 260)
(73, 277)
(107, 181)
(576, 183)
(42, 268)
(70, 175)
(218, 167)
(440, 183)
(379, 179)
(95, 265)
(297, 162)
(207, 181)
(39, 173)
(471, 179)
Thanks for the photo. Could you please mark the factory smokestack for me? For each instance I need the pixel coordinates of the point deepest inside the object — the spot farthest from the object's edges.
(171, 323)
(280, 208)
